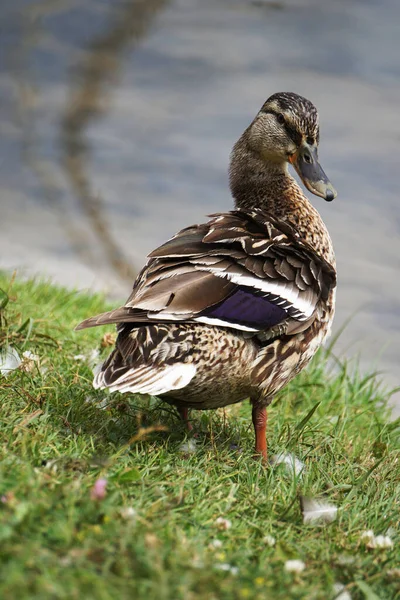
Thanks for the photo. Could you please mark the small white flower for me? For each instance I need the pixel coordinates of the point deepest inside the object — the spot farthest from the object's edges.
(340, 592)
(294, 566)
(80, 357)
(30, 356)
(214, 544)
(9, 361)
(379, 542)
(188, 447)
(269, 540)
(227, 567)
(315, 511)
(223, 567)
(291, 462)
(51, 464)
(223, 524)
(29, 361)
(128, 513)
(367, 536)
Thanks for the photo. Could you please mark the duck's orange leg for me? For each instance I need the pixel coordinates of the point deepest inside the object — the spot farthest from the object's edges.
(259, 416)
(184, 414)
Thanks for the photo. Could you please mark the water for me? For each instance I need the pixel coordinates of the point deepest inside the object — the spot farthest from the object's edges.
(117, 119)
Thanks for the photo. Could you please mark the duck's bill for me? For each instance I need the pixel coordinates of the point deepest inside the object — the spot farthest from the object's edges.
(305, 161)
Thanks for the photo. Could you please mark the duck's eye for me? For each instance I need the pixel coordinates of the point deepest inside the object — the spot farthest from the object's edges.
(280, 118)
(310, 140)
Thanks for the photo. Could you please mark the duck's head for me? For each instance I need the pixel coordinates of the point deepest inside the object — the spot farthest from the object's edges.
(287, 130)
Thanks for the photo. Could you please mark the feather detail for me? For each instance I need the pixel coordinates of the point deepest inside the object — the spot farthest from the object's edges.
(317, 511)
(245, 308)
(246, 256)
(149, 379)
(119, 315)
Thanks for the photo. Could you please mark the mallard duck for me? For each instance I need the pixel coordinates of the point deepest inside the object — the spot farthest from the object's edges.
(234, 308)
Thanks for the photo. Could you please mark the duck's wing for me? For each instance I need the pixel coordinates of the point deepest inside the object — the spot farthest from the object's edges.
(240, 270)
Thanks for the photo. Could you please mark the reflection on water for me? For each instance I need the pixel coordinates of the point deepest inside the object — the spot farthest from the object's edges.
(117, 119)
(94, 74)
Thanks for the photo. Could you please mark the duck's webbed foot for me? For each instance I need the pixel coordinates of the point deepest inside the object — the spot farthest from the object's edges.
(259, 416)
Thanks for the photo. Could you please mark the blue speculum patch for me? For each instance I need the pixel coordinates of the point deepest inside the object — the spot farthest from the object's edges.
(244, 308)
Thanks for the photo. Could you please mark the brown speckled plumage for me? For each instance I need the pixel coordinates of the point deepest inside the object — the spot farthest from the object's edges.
(234, 308)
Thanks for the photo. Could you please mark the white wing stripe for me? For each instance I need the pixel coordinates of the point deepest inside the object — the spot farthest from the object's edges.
(221, 323)
(283, 290)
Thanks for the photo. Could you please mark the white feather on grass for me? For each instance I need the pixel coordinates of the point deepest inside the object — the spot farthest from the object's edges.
(223, 524)
(317, 511)
(188, 447)
(269, 540)
(291, 462)
(9, 361)
(340, 592)
(294, 566)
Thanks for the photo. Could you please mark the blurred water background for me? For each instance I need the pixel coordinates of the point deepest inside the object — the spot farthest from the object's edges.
(117, 118)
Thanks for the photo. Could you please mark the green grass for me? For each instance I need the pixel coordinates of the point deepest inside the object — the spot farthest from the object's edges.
(57, 542)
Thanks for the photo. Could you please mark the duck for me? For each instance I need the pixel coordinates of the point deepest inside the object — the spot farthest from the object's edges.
(235, 307)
